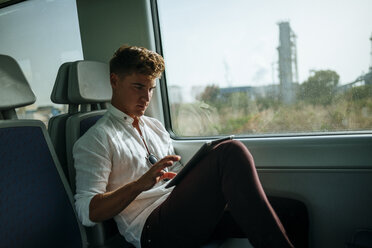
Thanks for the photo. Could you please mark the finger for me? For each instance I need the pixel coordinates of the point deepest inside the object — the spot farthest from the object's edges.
(161, 173)
(173, 158)
(168, 175)
(167, 161)
(161, 165)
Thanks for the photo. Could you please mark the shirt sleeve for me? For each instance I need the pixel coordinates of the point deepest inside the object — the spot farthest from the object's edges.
(93, 167)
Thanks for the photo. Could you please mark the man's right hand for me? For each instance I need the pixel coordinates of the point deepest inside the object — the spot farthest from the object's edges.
(107, 205)
(157, 173)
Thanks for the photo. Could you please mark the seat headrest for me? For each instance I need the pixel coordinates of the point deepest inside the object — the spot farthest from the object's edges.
(89, 82)
(14, 89)
(60, 88)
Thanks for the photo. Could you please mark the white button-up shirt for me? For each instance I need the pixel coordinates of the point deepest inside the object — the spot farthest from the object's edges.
(112, 154)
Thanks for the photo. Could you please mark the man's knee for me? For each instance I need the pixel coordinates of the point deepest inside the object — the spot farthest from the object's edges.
(235, 146)
(235, 149)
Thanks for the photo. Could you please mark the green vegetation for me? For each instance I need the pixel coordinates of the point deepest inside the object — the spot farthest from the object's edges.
(320, 106)
(320, 88)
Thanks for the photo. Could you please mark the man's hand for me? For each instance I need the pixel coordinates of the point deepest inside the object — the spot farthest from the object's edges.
(107, 205)
(157, 173)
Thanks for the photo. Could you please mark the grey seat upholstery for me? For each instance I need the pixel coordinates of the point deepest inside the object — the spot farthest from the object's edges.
(57, 124)
(15, 91)
(89, 88)
(60, 95)
(36, 207)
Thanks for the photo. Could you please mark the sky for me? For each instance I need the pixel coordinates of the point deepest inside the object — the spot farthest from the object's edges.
(226, 43)
(234, 43)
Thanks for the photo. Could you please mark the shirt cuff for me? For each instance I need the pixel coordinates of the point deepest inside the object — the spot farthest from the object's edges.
(82, 209)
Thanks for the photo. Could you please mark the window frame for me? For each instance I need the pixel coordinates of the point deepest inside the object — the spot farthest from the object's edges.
(163, 82)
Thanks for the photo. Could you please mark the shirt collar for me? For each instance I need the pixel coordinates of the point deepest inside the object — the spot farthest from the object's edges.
(122, 116)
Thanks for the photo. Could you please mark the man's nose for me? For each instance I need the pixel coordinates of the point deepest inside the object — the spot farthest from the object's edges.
(147, 95)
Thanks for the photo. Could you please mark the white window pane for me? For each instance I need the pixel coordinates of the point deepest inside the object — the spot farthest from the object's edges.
(267, 67)
(41, 35)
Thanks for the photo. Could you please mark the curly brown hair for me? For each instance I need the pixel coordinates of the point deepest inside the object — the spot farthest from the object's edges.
(132, 59)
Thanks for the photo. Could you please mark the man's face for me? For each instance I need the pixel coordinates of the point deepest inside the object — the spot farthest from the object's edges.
(132, 93)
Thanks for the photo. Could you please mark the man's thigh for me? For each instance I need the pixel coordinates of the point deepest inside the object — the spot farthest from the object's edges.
(193, 209)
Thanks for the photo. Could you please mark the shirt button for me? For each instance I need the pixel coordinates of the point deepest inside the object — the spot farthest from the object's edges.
(149, 240)
(125, 118)
(147, 226)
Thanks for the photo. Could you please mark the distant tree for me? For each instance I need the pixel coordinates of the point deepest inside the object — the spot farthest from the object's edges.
(210, 94)
(320, 88)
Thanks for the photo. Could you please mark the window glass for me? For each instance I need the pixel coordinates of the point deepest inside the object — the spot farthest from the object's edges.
(267, 67)
(41, 35)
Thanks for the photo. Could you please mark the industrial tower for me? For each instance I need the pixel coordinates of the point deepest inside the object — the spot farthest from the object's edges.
(368, 76)
(288, 73)
(370, 63)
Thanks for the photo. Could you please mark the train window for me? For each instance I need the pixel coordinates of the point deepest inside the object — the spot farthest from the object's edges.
(41, 35)
(267, 67)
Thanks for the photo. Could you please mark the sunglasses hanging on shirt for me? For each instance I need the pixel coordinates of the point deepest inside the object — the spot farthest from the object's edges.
(152, 158)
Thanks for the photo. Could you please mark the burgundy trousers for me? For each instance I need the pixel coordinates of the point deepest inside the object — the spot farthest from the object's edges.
(225, 183)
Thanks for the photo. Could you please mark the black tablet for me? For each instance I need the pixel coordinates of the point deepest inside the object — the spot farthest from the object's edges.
(195, 159)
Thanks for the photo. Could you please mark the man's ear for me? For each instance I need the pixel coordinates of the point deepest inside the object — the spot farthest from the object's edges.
(114, 78)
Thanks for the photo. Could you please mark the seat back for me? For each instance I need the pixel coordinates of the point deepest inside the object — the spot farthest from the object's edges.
(89, 87)
(85, 72)
(89, 83)
(57, 124)
(36, 207)
(15, 91)
(76, 126)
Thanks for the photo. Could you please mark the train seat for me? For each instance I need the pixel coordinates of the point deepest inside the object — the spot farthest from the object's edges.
(57, 124)
(36, 207)
(15, 91)
(59, 95)
(89, 89)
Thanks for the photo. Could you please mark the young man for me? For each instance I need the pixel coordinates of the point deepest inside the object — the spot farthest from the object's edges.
(115, 179)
